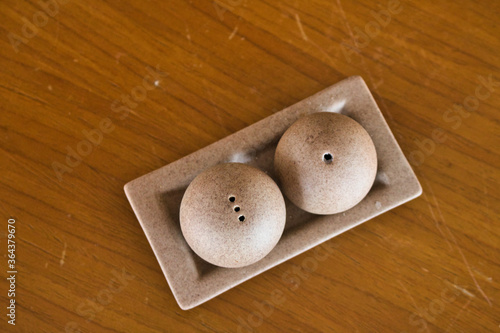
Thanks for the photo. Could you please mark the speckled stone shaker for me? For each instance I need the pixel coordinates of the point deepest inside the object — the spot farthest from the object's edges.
(232, 215)
(326, 163)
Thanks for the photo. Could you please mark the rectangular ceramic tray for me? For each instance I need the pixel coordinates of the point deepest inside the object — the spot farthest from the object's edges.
(156, 196)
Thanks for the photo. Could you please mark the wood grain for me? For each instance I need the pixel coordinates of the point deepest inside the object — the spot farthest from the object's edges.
(154, 81)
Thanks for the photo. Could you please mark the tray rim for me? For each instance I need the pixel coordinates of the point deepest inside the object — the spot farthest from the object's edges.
(178, 290)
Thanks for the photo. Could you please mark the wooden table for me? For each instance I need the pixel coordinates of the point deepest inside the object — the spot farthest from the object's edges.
(96, 93)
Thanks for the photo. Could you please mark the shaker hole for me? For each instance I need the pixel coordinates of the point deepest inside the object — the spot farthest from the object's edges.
(232, 198)
(241, 218)
(327, 158)
(236, 208)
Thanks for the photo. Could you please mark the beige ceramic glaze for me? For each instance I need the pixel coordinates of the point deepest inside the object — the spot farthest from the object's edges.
(156, 196)
(232, 215)
(326, 163)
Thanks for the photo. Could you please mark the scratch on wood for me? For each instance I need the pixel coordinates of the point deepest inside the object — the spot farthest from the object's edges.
(38, 247)
(456, 286)
(412, 300)
(119, 55)
(355, 41)
(322, 51)
(235, 30)
(436, 222)
(487, 278)
(437, 206)
(464, 291)
(212, 102)
(458, 315)
(357, 262)
(471, 274)
(301, 29)
(346, 23)
(478, 287)
(63, 254)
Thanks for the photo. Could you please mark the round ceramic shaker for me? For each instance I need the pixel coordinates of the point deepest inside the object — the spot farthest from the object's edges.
(232, 215)
(326, 163)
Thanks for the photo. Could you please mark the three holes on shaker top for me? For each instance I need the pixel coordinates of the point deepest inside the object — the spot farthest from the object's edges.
(327, 158)
(241, 218)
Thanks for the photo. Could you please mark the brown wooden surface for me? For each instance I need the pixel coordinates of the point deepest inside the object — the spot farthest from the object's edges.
(431, 265)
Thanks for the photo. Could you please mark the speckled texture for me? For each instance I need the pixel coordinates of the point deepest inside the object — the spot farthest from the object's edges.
(326, 163)
(232, 215)
(156, 196)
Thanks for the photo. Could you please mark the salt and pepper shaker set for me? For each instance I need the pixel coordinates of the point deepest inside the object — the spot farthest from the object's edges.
(232, 215)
